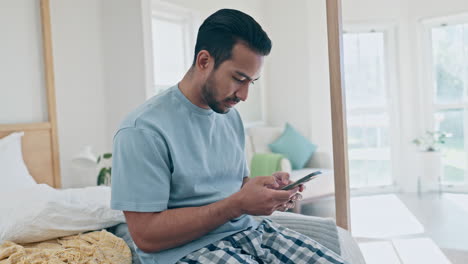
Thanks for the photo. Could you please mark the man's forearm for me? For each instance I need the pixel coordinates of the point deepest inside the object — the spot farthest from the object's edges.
(175, 227)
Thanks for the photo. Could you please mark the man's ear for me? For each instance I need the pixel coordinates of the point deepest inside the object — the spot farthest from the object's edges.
(204, 60)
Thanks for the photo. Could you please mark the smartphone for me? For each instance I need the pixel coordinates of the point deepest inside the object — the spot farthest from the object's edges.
(302, 180)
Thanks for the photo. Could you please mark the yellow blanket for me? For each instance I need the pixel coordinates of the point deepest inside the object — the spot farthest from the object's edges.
(95, 247)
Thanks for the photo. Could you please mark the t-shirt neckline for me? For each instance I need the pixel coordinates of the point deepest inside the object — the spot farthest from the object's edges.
(189, 104)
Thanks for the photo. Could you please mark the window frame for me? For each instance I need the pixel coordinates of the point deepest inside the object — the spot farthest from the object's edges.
(389, 29)
(426, 79)
(190, 21)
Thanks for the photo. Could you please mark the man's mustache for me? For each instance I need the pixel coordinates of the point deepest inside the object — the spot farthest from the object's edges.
(235, 100)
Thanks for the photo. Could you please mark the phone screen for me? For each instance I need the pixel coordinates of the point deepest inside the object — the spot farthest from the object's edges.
(301, 180)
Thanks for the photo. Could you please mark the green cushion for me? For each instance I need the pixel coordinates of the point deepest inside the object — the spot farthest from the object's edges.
(265, 164)
(294, 147)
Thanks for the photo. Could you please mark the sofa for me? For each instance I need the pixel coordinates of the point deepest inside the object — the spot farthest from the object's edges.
(257, 140)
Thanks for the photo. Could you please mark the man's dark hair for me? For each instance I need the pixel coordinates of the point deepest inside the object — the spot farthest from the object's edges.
(226, 27)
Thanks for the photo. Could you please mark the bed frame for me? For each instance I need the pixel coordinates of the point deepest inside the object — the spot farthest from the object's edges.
(40, 143)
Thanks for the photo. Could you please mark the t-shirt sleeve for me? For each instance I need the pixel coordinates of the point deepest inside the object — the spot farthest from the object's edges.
(246, 169)
(141, 172)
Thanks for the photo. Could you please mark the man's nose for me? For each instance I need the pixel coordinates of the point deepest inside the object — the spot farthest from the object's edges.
(243, 92)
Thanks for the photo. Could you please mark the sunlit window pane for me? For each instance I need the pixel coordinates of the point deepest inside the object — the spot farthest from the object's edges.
(360, 169)
(364, 69)
(168, 52)
(369, 149)
(450, 62)
(454, 154)
(368, 122)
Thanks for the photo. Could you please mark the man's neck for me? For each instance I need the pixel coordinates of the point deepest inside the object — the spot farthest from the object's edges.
(191, 88)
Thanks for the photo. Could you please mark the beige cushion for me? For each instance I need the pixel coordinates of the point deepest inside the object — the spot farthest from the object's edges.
(262, 136)
(286, 165)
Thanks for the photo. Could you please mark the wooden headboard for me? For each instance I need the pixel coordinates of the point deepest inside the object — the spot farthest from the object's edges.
(40, 141)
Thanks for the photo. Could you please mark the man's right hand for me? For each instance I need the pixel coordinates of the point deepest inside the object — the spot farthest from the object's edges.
(258, 198)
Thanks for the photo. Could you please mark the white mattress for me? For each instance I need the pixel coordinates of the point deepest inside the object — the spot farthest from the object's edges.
(349, 248)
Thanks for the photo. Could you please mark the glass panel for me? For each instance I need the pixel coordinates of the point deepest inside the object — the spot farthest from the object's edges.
(364, 69)
(369, 149)
(450, 63)
(361, 169)
(168, 52)
(454, 158)
(366, 101)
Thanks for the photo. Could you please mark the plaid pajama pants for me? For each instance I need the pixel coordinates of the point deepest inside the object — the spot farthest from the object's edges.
(269, 243)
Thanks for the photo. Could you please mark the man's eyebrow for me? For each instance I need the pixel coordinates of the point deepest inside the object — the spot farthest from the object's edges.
(246, 76)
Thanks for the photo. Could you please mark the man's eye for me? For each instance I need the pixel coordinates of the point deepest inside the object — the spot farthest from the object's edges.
(238, 80)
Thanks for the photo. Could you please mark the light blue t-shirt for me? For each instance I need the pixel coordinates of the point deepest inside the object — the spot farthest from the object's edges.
(170, 153)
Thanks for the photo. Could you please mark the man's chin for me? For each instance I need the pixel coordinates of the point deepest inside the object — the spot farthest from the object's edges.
(221, 109)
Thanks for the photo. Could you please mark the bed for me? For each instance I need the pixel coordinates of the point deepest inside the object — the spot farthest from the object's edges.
(86, 209)
(48, 213)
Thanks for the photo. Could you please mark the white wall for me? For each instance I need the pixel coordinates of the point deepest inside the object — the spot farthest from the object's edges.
(100, 75)
(81, 100)
(297, 72)
(125, 59)
(22, 87)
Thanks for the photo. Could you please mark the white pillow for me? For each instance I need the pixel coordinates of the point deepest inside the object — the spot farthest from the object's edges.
(13, 172)
(41, 212)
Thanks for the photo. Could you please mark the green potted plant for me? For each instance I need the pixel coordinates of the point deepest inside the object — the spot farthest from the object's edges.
(430, 158)
(104, 175)
(431, 140)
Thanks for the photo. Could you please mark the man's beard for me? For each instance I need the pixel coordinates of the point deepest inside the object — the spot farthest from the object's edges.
(209, 95)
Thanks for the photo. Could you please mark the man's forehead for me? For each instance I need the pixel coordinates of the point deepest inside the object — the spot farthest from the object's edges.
(245, 62)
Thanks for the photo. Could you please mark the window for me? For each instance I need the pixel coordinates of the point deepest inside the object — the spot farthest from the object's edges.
(369, 116)
(173, 35)
(448, 75)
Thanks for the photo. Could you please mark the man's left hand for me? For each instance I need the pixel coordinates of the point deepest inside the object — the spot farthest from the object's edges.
(282, 178)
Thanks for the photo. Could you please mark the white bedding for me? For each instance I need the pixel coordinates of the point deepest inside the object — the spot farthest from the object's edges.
(14, 174)
(41, 212)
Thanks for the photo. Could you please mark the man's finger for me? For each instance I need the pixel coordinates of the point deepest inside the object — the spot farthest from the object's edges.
(282, 176)
(268, 180)
(302, 187)
(290, 204)
(284, 195)
(293, 191)
(282, 207)
(296, 197)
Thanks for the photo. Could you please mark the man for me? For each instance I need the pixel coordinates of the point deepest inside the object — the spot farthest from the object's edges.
(179, 171)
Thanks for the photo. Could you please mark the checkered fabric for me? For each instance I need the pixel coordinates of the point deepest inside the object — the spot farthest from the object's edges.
(269, 243)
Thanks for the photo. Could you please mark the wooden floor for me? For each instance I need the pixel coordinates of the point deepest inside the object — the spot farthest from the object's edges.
(444, 222)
